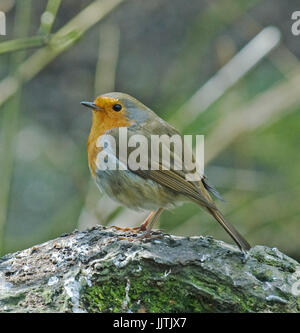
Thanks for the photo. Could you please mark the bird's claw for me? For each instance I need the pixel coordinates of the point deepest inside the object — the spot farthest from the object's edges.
(148, 235)
(135, 230)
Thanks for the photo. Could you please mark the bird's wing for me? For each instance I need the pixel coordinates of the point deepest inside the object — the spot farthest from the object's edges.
(158, 126)
(172, 178)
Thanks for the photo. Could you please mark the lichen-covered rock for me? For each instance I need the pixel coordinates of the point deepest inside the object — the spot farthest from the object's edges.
(96, 271)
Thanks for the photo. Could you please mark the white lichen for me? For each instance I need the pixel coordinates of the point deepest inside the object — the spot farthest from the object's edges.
(53, 280)
(166, 273)
(126, 299)
(4, 285)
(204, 257)
(275, 298)
(72, 288)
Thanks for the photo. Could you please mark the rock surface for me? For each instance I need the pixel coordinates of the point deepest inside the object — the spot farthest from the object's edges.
(96, 271)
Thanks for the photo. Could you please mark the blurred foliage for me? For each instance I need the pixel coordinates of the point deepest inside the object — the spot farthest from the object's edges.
(162, 52)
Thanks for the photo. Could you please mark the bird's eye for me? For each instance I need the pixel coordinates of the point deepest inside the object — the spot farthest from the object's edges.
(117, 107)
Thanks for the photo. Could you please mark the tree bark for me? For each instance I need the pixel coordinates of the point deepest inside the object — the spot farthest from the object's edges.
(96, 271)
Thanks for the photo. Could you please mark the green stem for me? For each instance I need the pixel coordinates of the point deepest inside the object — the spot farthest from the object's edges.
(48, 17)
(61, 41)
(22, 44)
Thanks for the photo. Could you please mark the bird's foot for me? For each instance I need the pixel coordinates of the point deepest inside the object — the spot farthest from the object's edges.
(149, 235)
(135, 230)
(157, 234)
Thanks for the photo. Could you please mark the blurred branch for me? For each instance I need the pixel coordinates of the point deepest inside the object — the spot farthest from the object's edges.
(248, 57)
(284, 60)
(61, 41)
(282, 57)
(23, 43)
(9, 125)
(48, 17)
(47, 20)
(264, 109)
(240, 179)
(199, 35)
(109, 40)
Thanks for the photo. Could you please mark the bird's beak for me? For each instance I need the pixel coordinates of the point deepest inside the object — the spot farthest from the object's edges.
(91, 105)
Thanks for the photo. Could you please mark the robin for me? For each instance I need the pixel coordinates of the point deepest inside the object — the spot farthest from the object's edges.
(146, 189)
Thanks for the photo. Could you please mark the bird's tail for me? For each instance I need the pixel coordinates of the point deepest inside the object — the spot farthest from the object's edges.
(230, 229)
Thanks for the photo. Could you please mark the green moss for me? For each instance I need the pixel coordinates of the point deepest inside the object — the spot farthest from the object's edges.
(97, 298)
(263, 274)
(14, 300)
(149, 292)
(154, 292)
(150, 289)
(47, 296)
(150, 297)
(284, 265)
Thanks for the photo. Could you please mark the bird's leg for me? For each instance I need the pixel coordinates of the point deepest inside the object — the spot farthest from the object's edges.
(142, 227)
(153, 218)
(150, 220)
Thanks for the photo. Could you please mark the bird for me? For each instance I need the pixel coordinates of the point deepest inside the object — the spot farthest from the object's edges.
(144, 188)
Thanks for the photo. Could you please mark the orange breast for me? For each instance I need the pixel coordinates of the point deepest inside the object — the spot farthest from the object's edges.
(102, 122)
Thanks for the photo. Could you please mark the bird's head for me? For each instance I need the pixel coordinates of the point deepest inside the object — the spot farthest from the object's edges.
(113, 110)
(118, 109)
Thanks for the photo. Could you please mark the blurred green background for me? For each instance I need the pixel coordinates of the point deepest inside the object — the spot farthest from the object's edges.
(227, 69)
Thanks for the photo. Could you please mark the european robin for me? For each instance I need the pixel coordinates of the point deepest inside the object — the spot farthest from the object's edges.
(148, 189)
